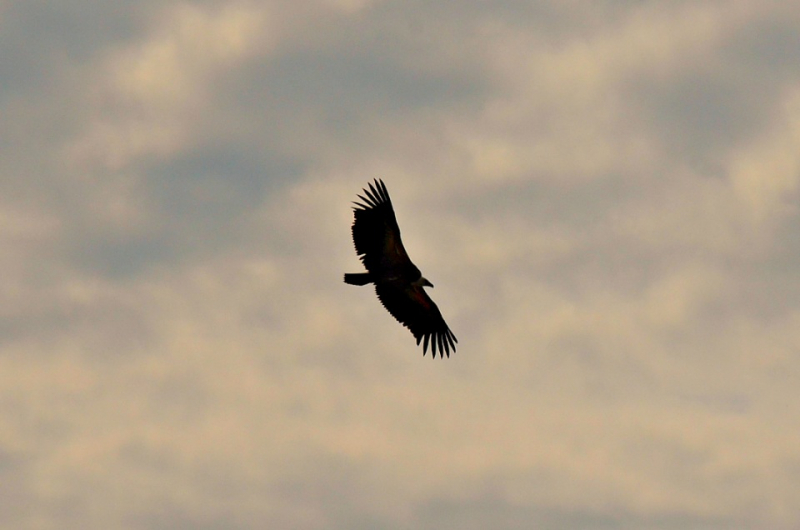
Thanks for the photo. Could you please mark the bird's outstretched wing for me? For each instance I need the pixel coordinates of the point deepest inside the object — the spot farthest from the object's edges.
(375, 232)
(413, 308)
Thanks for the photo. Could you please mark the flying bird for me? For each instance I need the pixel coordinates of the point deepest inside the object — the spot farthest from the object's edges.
(398, 282)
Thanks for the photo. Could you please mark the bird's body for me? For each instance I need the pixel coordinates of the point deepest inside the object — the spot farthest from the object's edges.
(398, 282)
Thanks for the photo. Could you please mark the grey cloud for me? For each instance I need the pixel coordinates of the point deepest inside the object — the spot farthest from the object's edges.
(177, 347)
(269, 120)
(37, 38)
(489, 510)
(704, 113)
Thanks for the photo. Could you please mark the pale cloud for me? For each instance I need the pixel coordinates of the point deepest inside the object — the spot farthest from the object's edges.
(765, 174)
(564, 113)
(602, 196)
(147, 93)
(189, 41)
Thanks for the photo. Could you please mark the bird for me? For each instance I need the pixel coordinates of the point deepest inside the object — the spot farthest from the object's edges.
(398, 282)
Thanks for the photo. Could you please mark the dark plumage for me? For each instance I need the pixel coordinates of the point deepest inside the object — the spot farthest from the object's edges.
(398, 282)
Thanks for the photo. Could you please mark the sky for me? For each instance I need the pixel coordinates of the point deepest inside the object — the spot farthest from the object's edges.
(604, 193)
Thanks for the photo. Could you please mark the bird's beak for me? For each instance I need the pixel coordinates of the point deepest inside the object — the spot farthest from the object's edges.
(429, 284)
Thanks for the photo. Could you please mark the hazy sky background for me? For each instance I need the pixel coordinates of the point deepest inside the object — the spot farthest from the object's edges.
(605, 195)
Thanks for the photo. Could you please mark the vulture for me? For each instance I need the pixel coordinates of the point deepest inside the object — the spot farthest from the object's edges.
(398, 282)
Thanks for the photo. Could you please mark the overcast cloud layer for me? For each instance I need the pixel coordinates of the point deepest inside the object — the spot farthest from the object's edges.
(605, 195)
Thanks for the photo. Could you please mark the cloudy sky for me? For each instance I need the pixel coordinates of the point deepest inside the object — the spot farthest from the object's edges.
(604, 193)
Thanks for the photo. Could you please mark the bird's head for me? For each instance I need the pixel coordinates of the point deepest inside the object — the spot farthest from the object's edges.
(423, 282)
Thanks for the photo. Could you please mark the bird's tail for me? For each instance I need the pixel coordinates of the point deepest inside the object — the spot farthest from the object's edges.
(357, 278)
